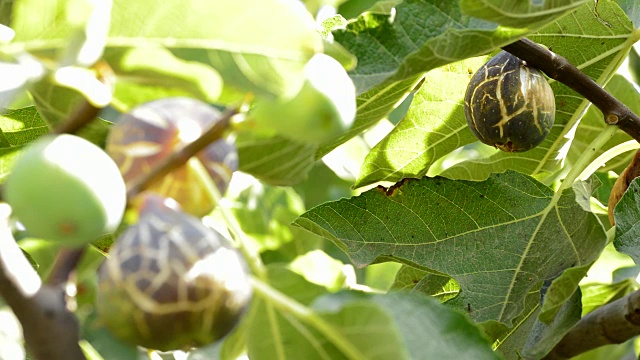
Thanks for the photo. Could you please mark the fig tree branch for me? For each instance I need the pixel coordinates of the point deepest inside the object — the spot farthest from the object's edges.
(50, 330)
(82, 115)
(85, 112)
(560, 69)
(613, 323)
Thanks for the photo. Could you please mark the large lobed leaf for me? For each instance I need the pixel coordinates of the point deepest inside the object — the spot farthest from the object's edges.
(425, 34)
(499, 239)
(390, 326)
(433, 127)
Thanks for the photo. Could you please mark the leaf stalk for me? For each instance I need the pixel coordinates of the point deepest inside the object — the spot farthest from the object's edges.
(289, 305)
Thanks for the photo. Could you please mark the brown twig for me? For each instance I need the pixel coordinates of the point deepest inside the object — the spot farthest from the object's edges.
(181, 156)
(86, 112)
(65, 262)
(50, 330)
(83, 114)
(613, 323)
(560, 69)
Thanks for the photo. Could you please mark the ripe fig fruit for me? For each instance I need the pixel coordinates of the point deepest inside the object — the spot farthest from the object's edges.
(170, 282)
(67, 189)
(323, 109)
(141, 139)
(509, 104)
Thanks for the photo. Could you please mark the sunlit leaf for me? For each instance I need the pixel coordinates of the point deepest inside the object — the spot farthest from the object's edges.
(434, 126)
(274, 159)
(597, 295)
(394, 326)
(517, 13)
(407, 278)
(141, 80)
(265, 58)
(424, 325)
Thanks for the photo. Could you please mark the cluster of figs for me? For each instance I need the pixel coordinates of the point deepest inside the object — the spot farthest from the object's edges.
(169, 281)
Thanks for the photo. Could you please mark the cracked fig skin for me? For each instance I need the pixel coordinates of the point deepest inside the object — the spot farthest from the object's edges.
(171, 283)
(149, 133)
(509, 105)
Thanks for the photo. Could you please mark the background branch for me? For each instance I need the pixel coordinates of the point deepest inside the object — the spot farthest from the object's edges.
(86, 112)
(613, 323)
(560, 69)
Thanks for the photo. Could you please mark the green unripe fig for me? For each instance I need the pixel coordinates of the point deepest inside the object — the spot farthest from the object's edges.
(324, 107)
(509, 104)
(170, 282)
(67, 189)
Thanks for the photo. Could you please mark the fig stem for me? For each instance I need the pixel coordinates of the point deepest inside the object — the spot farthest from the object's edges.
(286, 304)
(608, 155)
(560, 69)
(253, 258)
(585, 158)
(180, 157)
